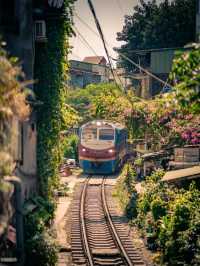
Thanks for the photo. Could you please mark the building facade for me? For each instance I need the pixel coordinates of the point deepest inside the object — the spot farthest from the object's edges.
(22, 25)
(88, 71)
(159, 63)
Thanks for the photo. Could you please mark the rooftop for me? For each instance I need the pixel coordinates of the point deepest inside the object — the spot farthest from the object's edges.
(182, 174)
(95, 60)
(160, 49)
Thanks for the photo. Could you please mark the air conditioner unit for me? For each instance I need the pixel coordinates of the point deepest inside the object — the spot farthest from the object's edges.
(40, 31)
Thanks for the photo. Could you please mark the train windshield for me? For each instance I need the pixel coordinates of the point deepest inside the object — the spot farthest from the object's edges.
(89, 134)
(106, 134)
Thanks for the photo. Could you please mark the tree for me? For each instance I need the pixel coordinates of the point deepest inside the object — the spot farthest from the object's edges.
(186, 76)
(153, 25)
(85, 101)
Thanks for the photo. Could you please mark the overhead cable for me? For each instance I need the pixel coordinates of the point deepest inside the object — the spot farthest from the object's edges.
(102, 37)
(85, 41)
(126, 57)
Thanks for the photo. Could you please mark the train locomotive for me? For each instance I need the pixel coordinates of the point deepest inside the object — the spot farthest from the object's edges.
(102, 147)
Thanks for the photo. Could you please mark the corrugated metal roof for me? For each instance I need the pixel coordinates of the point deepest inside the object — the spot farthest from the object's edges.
(161, 61)
(182, 174)
(56, 3)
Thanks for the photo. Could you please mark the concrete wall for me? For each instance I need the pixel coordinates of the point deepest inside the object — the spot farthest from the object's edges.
(83, 73)
(82, 79)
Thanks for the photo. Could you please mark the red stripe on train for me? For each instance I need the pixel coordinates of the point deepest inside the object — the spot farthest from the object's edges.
(98, 154)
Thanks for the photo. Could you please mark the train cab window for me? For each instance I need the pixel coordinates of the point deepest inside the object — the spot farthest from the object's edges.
(89, 134)
(106, 134)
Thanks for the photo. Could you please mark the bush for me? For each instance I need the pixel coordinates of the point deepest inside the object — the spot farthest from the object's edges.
(158, 208)
(41, 250)
(70, 147)
(39, 244)
(169, 220)
(126, 192)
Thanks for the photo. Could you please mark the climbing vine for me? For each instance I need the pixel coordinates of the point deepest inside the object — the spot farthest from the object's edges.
(51, 72)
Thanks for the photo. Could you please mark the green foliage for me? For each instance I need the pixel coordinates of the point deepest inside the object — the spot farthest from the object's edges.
(94, 100)
(41, 250)
(53, 116)
(37, 221)
(169, 219)
(70, 147)
(186, 75)
(158, 208)
(141, 30)
(125, 191)
(155, 176)
(138, 162)
(13, 106)
(39, 244)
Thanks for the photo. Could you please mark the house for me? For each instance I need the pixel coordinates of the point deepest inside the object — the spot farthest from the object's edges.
(22, 26)
(97, 60)
(83, 73)
(121, 78)
(17, 30)
(159, 63)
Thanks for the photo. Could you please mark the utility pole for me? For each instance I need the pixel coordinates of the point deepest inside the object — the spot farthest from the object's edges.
(198, 21)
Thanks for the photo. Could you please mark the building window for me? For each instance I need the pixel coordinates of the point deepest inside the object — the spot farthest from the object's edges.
(40, 31)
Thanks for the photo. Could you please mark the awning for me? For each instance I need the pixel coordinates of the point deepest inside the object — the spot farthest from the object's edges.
(182, 174)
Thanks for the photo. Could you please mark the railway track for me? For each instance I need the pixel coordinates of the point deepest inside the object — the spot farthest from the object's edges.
(98, 237)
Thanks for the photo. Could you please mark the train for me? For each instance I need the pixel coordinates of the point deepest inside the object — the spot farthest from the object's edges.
(102, 147)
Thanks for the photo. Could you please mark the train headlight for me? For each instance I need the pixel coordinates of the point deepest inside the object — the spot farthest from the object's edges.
(110, 151)
(83, 149)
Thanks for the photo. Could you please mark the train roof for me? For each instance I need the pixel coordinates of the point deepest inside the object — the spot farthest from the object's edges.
(104, 122)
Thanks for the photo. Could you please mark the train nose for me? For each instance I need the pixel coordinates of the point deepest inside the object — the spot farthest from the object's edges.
(96, 164)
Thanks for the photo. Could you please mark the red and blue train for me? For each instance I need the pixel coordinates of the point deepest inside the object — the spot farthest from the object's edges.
(102, 147)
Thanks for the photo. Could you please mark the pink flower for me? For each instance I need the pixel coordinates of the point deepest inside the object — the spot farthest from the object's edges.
(195, 141)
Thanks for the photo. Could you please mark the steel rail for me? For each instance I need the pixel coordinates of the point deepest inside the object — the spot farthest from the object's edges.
(83, 224)
(112, 227)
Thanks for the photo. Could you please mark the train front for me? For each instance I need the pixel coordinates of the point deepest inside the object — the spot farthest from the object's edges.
(97, 153)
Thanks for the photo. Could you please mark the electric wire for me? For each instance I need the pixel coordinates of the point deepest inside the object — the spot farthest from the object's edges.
(95, 33)
(126, 57)
(102, 38)
(85, 41)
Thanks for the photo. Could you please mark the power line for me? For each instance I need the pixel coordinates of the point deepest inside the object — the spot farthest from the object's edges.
(102, 36)
(144, 70)
(126, 57)
(87, 25)
(85, 41)
(90, 47)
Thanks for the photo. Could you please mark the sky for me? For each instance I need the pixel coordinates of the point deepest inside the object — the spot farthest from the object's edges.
(111, 16)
